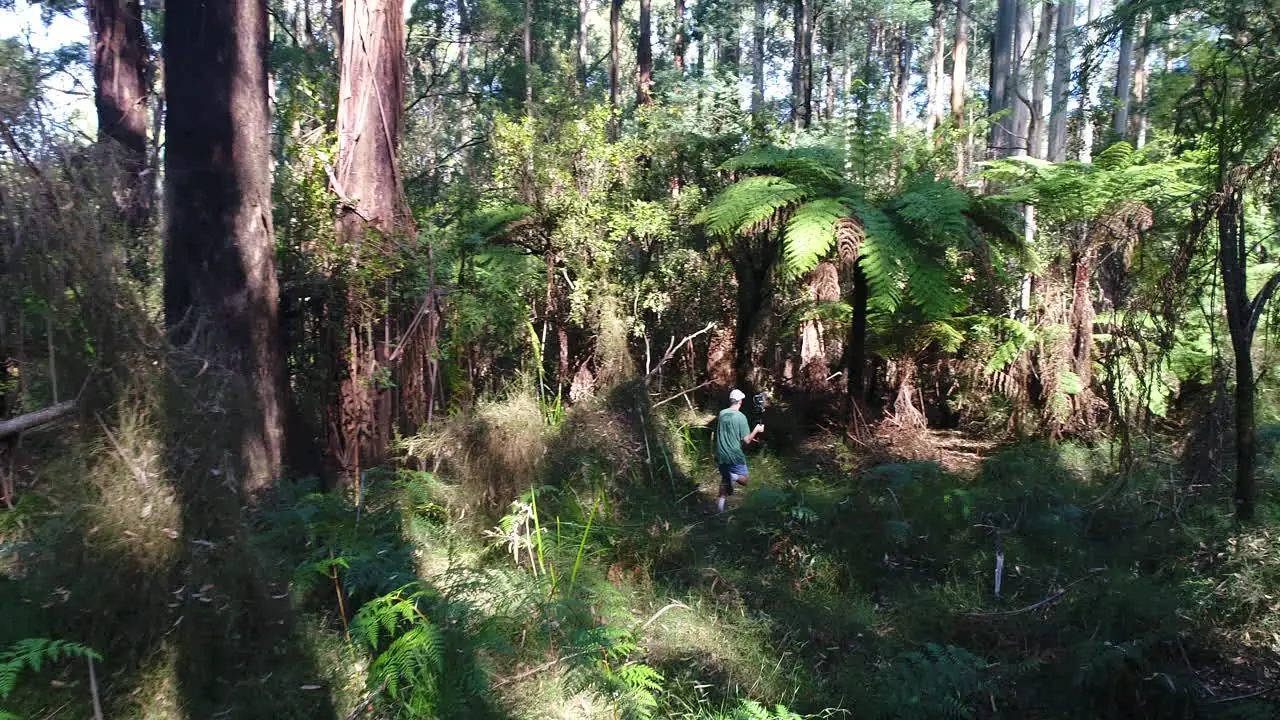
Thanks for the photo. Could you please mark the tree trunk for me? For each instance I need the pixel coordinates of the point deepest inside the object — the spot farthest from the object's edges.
(856, 350)
(120, 69)
(1232, 256)
(681, 42)
(828, 67)
(1139, 127)
(220, 271)
(1243, 316)
(902, 76)
(751, 273)
(1084, 256)
(584, 17)
(730, 53)
(757, 60)
(528, 54)
(1124, 85)
(1090, 87)
(823, 286)
(802, 65)
(934, 80)
(1002, 44)
(960, 62)
(464, 70)
(1019, 79)
(644, 56)
(615, 90)
(370, 105)
(1061, 81)
(1040, 65)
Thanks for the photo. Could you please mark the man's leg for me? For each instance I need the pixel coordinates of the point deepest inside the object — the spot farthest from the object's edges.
(726, 486)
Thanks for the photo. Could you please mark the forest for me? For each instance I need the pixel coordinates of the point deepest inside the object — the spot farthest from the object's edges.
(365, 359)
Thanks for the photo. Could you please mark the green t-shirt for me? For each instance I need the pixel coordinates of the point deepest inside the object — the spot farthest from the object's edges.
(731, 429)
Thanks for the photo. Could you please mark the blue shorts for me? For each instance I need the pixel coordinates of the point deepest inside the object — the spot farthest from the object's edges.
(729, 473)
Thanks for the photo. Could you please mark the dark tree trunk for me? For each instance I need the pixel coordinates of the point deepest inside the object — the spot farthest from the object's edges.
(528, 55)
(856, 350)
(220, 272)
(615, 37)
(1001, 141)
(828, 67)
(802, 65)
(752, 276)
(644, 56)
(370, 102)
(1061, 81)
(757, 59)
(464, 70)
(584, 15)
(1243, 315)
(730, 53)
(120, 70)
(681, 41)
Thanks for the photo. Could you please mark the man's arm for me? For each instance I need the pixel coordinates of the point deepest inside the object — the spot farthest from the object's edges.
(751, 436)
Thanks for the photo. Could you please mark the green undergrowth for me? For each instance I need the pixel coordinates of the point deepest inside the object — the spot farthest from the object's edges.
(604, 585)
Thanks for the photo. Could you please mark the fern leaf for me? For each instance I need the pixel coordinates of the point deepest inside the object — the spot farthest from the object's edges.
(810, 234)
(747, 204)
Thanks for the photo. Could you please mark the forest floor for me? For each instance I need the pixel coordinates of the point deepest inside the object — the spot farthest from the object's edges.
(854, 580)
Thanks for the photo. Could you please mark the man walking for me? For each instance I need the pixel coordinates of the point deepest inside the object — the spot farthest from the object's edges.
(731, 436)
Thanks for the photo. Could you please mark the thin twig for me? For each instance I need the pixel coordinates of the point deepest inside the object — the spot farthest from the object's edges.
(93, 690)
(1051, 599)
(137, 471)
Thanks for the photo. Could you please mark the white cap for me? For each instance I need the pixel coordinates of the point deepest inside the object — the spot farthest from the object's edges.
(736, 395)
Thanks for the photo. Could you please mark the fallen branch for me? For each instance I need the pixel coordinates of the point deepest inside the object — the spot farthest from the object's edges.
(679, 395)
(671, 606)
(535, 670)
(26, 422)
(1036, 606)
(1246, 696)
(673, 348)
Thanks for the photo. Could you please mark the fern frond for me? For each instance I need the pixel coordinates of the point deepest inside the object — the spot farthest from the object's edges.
(33, 653)
(747, 203)
(811, 233)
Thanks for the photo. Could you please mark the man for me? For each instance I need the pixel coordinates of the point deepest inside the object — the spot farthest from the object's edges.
(731, 436)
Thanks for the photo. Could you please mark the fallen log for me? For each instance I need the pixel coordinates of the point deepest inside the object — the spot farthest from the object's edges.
(26, 422)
